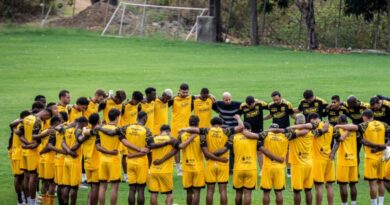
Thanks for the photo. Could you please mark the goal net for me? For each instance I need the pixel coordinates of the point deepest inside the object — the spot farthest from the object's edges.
(134, 19)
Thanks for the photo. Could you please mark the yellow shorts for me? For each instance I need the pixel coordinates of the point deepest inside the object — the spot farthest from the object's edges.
(346, 175)
(137, 174)
(373, 169)
(46, 171)
(59, 174)
(246, 179)
(387, 171)
(110, 170)
(92, 176)
(216, 172)
(30, 162)
(301, 177)
(323, 171)
(273, 178)
(193, 179)
(72, 173)
(160, 183)
(16, 167)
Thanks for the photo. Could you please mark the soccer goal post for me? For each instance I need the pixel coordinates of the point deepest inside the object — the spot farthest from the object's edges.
(134, 19)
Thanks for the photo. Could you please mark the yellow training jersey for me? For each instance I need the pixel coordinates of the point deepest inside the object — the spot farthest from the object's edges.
(91, 155)
(49, 156)
(138, 136)
(373, 131)
(16, 149)
(70, 139)
(347, 155)
(322, 142)
(129, 114)
(30, 125)
(181, 112)
(216, 138)
(203, 108)
(192, 154)
(74, 114)
(160, 115)
(110, 104)
(301, 150)
(149, 109)
(63, 108)
(92, 108)
(277, 144)
(158, 153)
(245, 152)
(59, 158)
(46, 124)
(108, 142)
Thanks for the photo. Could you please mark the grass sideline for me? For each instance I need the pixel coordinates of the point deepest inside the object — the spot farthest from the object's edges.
(44, 61)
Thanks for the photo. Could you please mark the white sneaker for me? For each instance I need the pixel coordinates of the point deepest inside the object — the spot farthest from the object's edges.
(83, 186)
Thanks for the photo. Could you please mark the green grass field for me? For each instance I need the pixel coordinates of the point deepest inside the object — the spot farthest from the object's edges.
(44, 61)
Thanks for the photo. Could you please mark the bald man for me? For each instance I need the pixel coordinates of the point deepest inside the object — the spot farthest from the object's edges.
(226, 109)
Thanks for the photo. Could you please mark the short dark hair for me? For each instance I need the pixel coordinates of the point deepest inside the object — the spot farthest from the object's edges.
(113, 114)
(343, 119)
(55, 120)
(121, 94)
(313, 116)
(50, 104)
(275, 93)
(39, 97)
(308, 94)
(37, 106)
(368, 113)
(82, 101)
(249, 100)
(205, 91)
(194, 120)
(82, 119)
(62, 93)
(93, 119)
(100, 92)
(184, 86)
(64, 116)
(137, 95)
(24, 114)
(247, 125)
(149, 90)
(141, 115)
(374, 100)
(336, 97)
(165, 128)
(216, 121)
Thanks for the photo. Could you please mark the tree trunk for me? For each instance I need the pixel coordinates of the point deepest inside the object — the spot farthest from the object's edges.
(338, 26)
(263, 22)
(376, 30)
(215, 10)
(253, 17)
(388, 25)
(307, 9)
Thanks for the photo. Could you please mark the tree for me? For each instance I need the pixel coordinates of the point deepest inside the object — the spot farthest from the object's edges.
(367, 9)
(306, 7)
(253, 19)
(215, 10)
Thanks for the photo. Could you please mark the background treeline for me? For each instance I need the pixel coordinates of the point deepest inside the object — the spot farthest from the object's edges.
(308, 24)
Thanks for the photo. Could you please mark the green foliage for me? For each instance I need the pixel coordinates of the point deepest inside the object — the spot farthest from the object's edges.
(365, 8)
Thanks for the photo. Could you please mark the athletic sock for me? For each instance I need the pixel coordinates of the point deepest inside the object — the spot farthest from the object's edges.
(374, 201)
(346, 203)
(24, 198)
(381, 200)
(44, 199)
(28, 200)
(50, 200)
(353, 202)
(20, 198)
